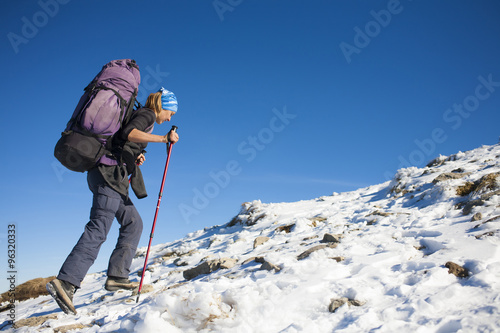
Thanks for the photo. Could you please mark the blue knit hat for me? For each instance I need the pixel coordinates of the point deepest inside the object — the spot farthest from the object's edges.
(168, 100)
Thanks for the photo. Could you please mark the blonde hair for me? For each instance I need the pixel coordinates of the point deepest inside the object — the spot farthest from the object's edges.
(154, 102)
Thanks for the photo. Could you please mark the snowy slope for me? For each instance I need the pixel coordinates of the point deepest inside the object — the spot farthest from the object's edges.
(384, 258)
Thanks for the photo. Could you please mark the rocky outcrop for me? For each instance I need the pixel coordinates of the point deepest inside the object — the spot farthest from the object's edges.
(208, 267)
(449, 175)
(30, 289)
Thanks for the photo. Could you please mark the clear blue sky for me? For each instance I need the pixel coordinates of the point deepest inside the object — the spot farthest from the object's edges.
(278, 101)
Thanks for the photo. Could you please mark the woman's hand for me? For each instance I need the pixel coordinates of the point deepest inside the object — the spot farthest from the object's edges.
(140, 159)
(172, 137)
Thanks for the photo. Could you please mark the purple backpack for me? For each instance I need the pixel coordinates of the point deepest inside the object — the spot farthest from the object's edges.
(105, 106)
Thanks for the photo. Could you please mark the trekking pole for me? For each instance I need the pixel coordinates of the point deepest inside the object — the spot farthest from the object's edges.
(169, 149)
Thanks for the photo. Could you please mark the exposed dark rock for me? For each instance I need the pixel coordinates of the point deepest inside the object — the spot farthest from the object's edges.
(486, 234)
(208, 267)
(493, 219)
(285, 228)
(308, 252)
(477, 217)
(449, 175)
(337, 303)
(379, 213)
(269, 267)
(338, 259)
(329, 238)
(456, 270)
(470, 205)
(179, 262)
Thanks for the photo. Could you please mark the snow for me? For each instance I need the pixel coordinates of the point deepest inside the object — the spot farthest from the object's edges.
(396, 238)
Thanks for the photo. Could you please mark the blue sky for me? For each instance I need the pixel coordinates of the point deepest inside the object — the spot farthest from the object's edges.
(278, 101)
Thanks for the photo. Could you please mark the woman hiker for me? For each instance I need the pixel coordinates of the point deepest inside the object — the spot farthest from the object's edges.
(109, 182)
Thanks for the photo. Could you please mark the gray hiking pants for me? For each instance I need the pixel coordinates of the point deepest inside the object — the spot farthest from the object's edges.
(107, 204)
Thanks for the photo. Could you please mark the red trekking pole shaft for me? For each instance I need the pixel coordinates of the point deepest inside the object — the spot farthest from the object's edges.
(169, 149)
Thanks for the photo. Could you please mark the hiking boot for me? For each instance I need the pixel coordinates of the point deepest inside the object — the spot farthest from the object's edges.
(114, 283)
(62, 292)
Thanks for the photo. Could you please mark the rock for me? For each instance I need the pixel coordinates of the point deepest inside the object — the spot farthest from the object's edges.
(204, 268)
(337, 303)
(338, 259)
(493, 219)
(169, 255)
(485, 188)
(329, 238)
(486, 234)
(317, 219)
(249, 214)
(256, 259)
(269, 267)
(259, 241)
(208, 267)
(33, 321)
(285, 228)
(355, 302)
(306, 253)
(477, 217)
(470, 205)
(227, 263)
(438, 161)
(379, 213)
(465, 189)
(246, 261)
(449, 175)
(179, 262)
(456, 270)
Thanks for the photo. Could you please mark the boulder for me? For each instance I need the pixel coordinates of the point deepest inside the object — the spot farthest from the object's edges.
(208, 267)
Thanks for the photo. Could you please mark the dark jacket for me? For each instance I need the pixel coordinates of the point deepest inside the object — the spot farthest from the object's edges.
(126, 153)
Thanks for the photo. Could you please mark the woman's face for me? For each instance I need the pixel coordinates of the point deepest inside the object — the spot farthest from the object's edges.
(164, 115)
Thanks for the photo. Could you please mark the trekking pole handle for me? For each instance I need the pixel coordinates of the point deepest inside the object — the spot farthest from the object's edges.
(173, 129)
